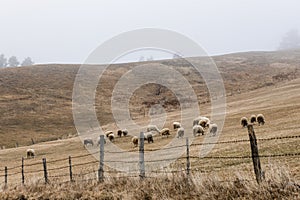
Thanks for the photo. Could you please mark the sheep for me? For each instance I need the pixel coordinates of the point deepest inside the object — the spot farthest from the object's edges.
(119, 132)
(111, 137)
(201, 119)
(196, 120)
(165, 131)
(135, 141)
(108, 133)
(176, 125)
(180, 132)
(125, 132)
(213, 129)
(149, 137)
(88, 141)
(252, 119)
(204, 123)
(152, 128)
(244, 121)
(260, 119)
(30, 153)
(197, 130)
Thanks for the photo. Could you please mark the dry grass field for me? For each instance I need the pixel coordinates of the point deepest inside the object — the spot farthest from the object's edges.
(36, 103)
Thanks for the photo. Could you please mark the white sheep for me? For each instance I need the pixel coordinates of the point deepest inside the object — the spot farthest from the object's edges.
(197, 130)
(148, 136)
(176, 125)
(88, 141)
(164, 131)
(180, 132)
(244, 121)
(260, 119)
(125, 132)
(135, 141)
(213, 129)
(108, 133)
(119, 133)
(30, 153)
(252, 119)
(204, 122)
(152, 128)
(111, 137)
(202, 119)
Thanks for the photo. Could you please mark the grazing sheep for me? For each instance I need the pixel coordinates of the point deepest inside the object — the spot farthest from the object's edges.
(152, 128)
(125, 132)
(196, 120)
(111, 137)
(149, 137)
(88, 141)
(165, 131)
(252, 119)
(180, 132)
(30, 153)
(204, 123)
(197, 130)
(108, 133)
(119, 133)
(213, 129)
(135, 141)
(260, 119)
(176, 125)
(244, 121)
(203, 120)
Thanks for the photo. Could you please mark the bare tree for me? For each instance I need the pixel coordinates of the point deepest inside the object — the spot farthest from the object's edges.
(27, 62)
(291, 40)
(3, 61)
(13, 61)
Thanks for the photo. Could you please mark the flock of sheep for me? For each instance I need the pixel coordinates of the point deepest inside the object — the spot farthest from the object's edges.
(200, 125)
(259, 119)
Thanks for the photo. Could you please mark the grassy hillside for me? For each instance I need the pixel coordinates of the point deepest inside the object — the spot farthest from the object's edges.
(36, 102)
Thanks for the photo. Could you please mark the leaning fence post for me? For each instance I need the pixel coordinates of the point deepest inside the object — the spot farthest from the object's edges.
(70, 169)
(142, 158)
(5, 177)
(45, 170)
(188, 164)
(255, 155)
(22, 171)
(101, 162)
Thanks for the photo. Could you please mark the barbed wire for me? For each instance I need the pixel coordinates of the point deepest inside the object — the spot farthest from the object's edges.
(172, 171)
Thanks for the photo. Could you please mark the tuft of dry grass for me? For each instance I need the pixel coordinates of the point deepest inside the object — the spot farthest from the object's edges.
(277, 185)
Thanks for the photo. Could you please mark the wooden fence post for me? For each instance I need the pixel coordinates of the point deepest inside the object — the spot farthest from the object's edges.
(254, 152)
(101, 161)
(5, 177)
(32, 141)
(22, 171)
(142, 156)
(45, 170)
(188, 164)
(70, 169)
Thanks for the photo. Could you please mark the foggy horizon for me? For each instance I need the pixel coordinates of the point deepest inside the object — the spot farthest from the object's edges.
(52, 31)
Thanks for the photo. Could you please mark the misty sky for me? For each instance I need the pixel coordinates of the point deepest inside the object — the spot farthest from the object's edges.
(67, 31)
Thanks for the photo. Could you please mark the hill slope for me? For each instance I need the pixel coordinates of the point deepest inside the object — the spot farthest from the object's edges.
(36, 102)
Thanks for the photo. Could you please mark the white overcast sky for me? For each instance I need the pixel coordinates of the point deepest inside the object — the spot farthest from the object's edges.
(67, 31)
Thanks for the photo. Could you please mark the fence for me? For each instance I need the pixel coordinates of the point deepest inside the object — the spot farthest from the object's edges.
(43, 173)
